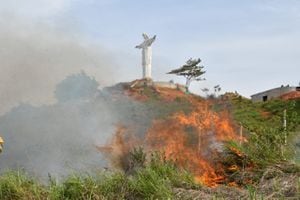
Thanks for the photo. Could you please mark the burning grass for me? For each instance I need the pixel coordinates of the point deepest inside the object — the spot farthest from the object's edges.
(201, 140)
(151, 178)
(192, 141)
(187, 147)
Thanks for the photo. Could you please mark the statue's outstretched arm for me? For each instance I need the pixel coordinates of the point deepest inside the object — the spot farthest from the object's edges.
(145, 36)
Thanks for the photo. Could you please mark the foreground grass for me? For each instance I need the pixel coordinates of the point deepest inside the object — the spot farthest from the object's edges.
(153, 181)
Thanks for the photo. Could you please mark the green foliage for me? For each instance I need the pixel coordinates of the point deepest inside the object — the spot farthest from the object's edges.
(102, 186)
(17, 185)
(253, 194)
(166, 168)
(260, 115)
(154, 179)
(75, 187)
(191, 71)
(148, 184)
(264, 128)
(115, 186)
(266, 147)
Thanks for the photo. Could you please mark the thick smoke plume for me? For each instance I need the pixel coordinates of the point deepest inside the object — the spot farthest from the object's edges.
(51, 114)
(62, 137)
(34, 58)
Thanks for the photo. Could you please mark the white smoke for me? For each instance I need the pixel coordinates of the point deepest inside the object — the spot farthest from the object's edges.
(42, 134)
(34, 58)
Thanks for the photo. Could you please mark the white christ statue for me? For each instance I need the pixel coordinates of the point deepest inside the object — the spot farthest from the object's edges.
(146, 55)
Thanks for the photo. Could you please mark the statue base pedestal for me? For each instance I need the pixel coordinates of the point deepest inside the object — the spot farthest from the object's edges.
(148, 82)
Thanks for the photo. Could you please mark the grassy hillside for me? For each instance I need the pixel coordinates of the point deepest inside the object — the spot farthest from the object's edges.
(263, 125)
(259, 165)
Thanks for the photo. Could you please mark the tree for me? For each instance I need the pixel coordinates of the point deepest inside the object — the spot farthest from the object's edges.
(75, 87)
(191, 71)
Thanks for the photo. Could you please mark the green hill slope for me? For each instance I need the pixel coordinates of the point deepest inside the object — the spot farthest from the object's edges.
(182, 146)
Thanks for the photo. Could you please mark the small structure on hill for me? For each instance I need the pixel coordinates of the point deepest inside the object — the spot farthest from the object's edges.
(161, 84)
(146, 55)
(274, 93)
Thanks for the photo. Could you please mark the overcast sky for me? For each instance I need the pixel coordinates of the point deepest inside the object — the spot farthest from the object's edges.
(246, 46)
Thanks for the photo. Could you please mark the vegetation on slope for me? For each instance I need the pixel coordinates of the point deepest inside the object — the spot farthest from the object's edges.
(152, 180)
(268, 140)
(261, 165)
(269, 160)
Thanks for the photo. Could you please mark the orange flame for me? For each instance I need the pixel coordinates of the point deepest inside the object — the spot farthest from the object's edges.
(189, 141)
(236, 151)
(117, 150)
(233, 168)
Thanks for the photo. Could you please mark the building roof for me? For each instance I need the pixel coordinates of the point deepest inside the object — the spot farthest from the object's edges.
(285, 87)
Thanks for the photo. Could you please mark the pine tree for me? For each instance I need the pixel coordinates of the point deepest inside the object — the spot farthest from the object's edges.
(191, 71)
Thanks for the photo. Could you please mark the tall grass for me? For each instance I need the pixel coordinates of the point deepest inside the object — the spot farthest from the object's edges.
(157, 179)
(17, 185)
(263, 123)
(152, 180)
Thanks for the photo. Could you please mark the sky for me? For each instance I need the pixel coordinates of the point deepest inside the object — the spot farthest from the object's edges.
(245, 46)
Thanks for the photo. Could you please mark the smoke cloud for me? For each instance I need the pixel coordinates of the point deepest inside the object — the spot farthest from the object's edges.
(62, 137)
(52, 108)
(35, 57)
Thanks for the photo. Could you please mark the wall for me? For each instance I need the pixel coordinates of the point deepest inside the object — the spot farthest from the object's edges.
(170, 85)
(272, 94)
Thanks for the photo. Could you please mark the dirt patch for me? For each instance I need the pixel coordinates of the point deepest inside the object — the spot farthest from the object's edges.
(291, 95)
(277, 184)
(204, 193)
